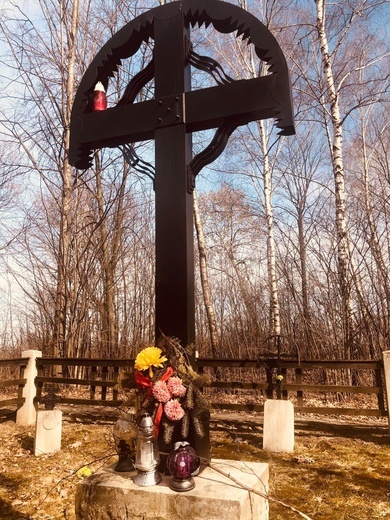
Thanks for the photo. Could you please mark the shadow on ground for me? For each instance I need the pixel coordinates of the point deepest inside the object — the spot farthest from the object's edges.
(7, 511)
(377, 433)
(251, 429)
(7, 415)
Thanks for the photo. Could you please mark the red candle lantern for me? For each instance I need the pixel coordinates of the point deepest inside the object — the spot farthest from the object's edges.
(99, 98)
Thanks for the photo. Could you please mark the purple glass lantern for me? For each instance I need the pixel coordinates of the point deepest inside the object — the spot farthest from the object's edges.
(182, 464)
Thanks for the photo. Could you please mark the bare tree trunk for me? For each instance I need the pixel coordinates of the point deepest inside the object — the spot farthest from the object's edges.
(336, 150)
(304, 283)
(109, 257)
(207, 299)
(60, 347)
(373, 239)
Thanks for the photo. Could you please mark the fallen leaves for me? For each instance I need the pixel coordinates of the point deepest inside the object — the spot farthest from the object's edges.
(43, 488)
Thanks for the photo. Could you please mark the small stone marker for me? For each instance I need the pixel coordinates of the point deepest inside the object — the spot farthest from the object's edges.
(278, 434)
(48, 428)
(48, 432)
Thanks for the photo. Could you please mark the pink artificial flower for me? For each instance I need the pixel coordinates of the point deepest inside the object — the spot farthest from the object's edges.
(176, 387)
(160, 392)
(173, 410)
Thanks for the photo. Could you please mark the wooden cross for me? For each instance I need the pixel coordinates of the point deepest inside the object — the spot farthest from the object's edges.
(51, 398)
(170, 118)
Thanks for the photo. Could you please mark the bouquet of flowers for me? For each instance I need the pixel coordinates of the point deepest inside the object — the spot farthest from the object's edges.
(164, 384)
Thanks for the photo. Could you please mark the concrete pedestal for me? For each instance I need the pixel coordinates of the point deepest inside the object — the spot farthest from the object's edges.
(48, 431)
(27, 413)
(106, 495)
(278, 429)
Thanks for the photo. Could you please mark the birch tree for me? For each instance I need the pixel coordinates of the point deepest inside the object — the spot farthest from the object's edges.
(242, 62)
(332, 99)
(68, 32)
(203, 268)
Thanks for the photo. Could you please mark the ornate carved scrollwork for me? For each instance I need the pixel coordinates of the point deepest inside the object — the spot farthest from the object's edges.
(210, 66)
(136, 84)
(211, 152)
(135, 161)
(225, 18)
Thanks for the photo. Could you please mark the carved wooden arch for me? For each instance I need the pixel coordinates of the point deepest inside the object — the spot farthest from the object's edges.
(225, 18)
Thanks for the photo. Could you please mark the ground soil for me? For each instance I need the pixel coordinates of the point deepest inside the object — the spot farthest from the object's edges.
(340, 468)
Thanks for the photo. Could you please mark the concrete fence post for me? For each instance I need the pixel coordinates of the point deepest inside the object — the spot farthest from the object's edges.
(27, 414)
(386, 367)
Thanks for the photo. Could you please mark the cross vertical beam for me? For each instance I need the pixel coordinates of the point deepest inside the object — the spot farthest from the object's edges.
(175, 307)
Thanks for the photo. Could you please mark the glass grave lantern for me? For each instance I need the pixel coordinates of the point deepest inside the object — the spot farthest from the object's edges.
(125, 434)
(147, 454)
(182, 463)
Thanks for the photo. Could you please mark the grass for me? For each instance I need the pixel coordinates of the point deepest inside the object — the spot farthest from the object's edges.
(338, 471)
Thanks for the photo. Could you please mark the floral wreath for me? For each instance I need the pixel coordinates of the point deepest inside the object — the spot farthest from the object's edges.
(165, 385)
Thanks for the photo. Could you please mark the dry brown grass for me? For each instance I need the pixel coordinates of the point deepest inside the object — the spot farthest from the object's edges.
(338, 471)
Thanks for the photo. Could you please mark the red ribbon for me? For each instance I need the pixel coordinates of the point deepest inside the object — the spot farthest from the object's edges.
(157, 418)
(167, 374)
(146, 382)
(142, 380)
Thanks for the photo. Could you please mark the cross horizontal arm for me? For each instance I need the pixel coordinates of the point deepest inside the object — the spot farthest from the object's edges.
(246, 100)
(118, 125)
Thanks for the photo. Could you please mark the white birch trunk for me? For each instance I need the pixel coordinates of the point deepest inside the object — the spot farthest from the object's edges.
(336, 151)
(207, 299)
(271, 251)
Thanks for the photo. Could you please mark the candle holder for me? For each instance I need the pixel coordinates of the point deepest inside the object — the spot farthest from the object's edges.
(147, 455)
(182, 464)
(125, 434)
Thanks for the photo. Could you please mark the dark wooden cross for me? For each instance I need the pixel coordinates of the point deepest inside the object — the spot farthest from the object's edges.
(51, 398)
(170, 118)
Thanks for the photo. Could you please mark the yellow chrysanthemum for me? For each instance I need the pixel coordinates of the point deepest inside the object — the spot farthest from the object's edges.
(149, 357)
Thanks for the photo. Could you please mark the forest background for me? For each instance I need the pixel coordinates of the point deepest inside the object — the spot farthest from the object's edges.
(292, 233)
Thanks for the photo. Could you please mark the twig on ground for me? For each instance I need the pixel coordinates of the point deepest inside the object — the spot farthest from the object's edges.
(74, 472)
(251, 490)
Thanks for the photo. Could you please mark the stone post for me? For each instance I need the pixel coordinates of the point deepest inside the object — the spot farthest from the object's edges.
(386, 368)
(27, 414)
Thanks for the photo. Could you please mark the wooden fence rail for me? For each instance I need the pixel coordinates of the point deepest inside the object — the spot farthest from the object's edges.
(293, 371)
(103, 374)
(252, 378)
(19, 383)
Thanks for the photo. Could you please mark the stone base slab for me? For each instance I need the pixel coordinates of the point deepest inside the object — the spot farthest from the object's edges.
(107, 495)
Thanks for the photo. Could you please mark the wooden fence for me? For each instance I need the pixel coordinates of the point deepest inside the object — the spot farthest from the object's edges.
(255, 380)
(99, 376)
(293, 386)
(18, 384)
